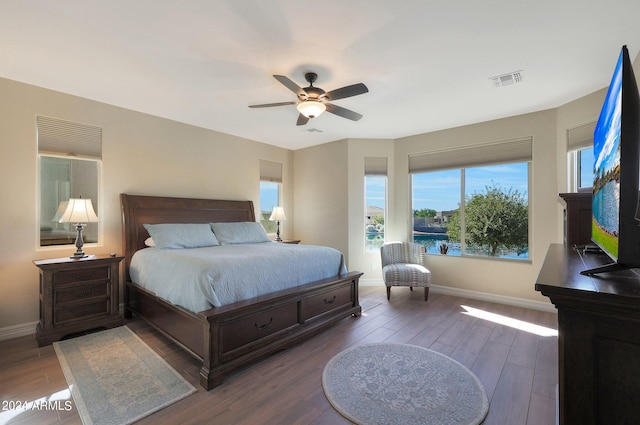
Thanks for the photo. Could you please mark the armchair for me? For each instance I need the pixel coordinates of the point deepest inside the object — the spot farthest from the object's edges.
(403, 265)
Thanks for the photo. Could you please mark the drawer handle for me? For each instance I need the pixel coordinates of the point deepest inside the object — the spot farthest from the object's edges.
(331, 301)
(262, 327)
(86, 293)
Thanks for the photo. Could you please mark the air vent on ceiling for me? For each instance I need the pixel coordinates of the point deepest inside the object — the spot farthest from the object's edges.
(313, 130)
(507, 79)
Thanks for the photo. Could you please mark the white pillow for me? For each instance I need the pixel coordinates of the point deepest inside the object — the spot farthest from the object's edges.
(240, 232)
(149, 242)
(181, 235)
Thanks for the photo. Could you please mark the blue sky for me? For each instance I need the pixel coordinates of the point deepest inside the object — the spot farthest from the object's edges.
(268, 196)
(440, 190)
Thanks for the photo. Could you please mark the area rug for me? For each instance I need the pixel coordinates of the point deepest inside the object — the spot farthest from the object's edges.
(403, 384)
(115, 378)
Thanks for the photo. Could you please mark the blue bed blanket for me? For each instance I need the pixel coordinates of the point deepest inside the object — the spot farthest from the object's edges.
(200, 278)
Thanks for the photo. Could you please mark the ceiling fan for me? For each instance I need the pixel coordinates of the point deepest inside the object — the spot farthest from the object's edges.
(313, 100)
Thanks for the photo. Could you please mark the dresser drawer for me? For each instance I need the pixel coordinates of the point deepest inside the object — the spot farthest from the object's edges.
(81, 275)
(327, 301)
(80, 311)
(247, 329)
(80, 292)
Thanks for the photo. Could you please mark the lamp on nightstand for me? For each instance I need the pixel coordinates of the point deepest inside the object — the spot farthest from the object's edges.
(79, 211)
(277, 215)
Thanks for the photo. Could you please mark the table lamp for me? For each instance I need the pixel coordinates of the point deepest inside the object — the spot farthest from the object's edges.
(277, 215)
(79, 211)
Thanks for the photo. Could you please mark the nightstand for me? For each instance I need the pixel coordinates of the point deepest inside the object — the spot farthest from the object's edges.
(293, 241)
(77, 295)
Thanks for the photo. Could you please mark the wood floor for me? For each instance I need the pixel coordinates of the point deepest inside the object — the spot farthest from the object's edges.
(518, 369)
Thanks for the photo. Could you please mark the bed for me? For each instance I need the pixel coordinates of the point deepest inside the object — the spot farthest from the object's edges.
(230, 336)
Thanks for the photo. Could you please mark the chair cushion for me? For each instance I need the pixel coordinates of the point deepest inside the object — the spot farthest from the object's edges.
(405, 274)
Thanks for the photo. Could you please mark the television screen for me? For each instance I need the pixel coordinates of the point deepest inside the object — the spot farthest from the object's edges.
(616, 171)
(606, 168)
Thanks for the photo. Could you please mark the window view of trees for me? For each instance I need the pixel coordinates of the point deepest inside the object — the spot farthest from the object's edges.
(494, 220)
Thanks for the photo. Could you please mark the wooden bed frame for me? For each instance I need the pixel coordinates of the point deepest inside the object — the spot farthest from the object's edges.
(228, 337)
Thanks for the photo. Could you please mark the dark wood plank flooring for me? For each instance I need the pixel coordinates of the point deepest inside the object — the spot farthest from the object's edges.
(518, 369)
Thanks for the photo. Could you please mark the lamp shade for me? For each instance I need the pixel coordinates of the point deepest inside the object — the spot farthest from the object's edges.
(79, 211)
(62, 207)
(277, 214)
(311, 108)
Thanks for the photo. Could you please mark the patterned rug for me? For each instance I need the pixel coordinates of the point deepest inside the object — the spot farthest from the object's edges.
(403, 384)
(116, 379)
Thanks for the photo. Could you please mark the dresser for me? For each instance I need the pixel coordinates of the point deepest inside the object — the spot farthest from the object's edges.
(77, 295)
(598, 337)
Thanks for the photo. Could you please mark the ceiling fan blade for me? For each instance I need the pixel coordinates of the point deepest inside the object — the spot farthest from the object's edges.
(343, 112)
(302, 120)
(268, 105)
(348, 91)
(285, 81)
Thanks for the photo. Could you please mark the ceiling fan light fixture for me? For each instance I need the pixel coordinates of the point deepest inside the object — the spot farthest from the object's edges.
(311, 108)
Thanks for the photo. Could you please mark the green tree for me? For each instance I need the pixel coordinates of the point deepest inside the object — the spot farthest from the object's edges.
(494, 220)
(424, 212)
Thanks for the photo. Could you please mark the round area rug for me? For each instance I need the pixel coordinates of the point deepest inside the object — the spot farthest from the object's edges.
(403, 384)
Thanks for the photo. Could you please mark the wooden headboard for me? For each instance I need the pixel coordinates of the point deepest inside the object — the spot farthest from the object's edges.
(138, 210)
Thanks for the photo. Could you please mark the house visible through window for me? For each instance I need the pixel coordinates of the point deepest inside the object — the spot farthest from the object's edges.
(69, 157)
(375, 188)
(473, 201)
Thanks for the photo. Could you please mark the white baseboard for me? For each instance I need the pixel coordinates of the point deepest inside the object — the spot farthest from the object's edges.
(15, 331)
(482, 296)
(25, 329)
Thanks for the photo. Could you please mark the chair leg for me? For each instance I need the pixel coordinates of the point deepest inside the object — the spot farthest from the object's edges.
(388, 293)
(426, 293)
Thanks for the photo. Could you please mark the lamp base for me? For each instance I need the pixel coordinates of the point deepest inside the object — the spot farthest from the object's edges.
(79, 242)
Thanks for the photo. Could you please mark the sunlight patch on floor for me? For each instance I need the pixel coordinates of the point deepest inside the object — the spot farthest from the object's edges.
(508, 321)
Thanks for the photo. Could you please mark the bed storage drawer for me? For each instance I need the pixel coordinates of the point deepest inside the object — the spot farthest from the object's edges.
(328, 301)
(254, 327)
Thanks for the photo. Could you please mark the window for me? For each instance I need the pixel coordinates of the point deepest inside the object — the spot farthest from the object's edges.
(375, 195)
(69, 157)
(480, 207)
(585, 168)
(270, 184)
(580, 157)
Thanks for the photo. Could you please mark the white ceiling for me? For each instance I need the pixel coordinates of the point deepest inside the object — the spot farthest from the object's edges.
(427, 63)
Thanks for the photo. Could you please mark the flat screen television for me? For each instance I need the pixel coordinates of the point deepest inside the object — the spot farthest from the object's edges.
(616, 169)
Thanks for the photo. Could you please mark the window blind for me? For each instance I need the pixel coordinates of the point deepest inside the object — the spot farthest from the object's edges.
(515, 150)
(61, 137)
(375, 166)
(581, 136)
(270, 171)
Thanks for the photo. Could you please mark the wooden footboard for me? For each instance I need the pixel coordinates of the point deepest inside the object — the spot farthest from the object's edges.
(226, 338)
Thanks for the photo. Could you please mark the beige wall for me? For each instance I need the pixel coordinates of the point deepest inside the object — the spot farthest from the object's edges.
(321, 195)
(142, 154)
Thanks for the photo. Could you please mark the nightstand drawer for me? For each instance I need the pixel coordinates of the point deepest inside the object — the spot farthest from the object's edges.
(81, 275)
(81, 292)
(80, 311)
